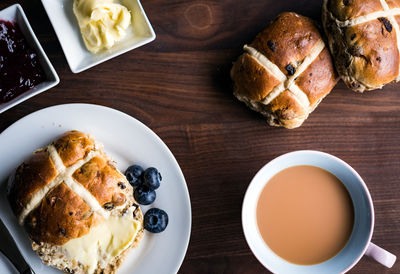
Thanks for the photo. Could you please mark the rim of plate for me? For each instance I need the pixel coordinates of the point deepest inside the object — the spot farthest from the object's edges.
(142, 126)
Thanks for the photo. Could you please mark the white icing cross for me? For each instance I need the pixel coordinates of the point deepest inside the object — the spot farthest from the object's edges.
(64, 174)
(287, 83)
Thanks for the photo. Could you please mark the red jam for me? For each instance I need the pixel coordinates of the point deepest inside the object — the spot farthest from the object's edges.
(20, 69)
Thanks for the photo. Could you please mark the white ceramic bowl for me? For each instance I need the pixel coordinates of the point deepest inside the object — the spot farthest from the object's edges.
(360, 239)
(67, 29)
(16, 14)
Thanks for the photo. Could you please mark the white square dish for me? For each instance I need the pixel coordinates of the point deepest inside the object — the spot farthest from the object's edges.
(67, 29)
(16, 14)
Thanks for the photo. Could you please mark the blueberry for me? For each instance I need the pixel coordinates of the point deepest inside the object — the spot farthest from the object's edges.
(144, 195)
(134, 175)
(155, 220)
(152, 178)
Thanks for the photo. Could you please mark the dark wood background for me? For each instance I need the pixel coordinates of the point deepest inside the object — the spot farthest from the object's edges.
(179, 86)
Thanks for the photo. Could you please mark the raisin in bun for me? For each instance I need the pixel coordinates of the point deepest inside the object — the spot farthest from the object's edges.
(285, 72)
(364, 40)
(77, 208)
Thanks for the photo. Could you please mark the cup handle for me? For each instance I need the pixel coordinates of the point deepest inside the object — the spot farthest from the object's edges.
(380, 255)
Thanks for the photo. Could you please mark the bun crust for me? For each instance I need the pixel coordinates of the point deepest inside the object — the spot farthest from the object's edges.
(285, 72)
(39, 171)
(364, 41)
(73, 146)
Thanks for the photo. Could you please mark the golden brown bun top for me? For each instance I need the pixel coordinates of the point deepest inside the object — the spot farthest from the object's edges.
(31, 176)
(73, 146)
(285, 72)
(350, 9)
(293, 35)
(102, 180)
(363, 39)
(62, 215)
(64, 190)
(375, 54)
(393, 3)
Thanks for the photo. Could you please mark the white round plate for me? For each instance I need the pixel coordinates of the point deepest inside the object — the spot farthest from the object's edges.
(128, 142)
(6, 266)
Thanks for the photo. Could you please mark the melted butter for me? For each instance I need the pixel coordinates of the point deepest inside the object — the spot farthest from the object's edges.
(102, 22)
(104, 242)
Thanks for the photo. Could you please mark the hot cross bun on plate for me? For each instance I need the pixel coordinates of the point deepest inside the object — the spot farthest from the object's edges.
(77, 208)
(285, 72)
(364, 39)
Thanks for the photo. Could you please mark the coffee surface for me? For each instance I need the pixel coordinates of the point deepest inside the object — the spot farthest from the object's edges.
(305, 215)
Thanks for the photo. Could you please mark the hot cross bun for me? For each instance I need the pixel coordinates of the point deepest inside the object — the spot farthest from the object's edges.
(66, 192)
(364, 39)
(285, 72)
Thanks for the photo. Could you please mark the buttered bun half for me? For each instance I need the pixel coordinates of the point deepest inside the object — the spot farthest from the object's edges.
(77, 208)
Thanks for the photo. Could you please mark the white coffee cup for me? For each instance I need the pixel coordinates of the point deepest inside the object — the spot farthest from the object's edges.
(360, 239)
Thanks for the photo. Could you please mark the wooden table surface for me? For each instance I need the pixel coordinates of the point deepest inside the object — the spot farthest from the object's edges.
(179, 86)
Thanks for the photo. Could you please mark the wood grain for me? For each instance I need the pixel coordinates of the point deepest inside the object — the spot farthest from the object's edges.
(179, 86)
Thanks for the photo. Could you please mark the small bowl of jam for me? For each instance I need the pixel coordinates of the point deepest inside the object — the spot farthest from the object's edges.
(25, 69)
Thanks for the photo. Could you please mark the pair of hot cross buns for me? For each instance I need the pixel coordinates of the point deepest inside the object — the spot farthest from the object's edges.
(288, 69)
